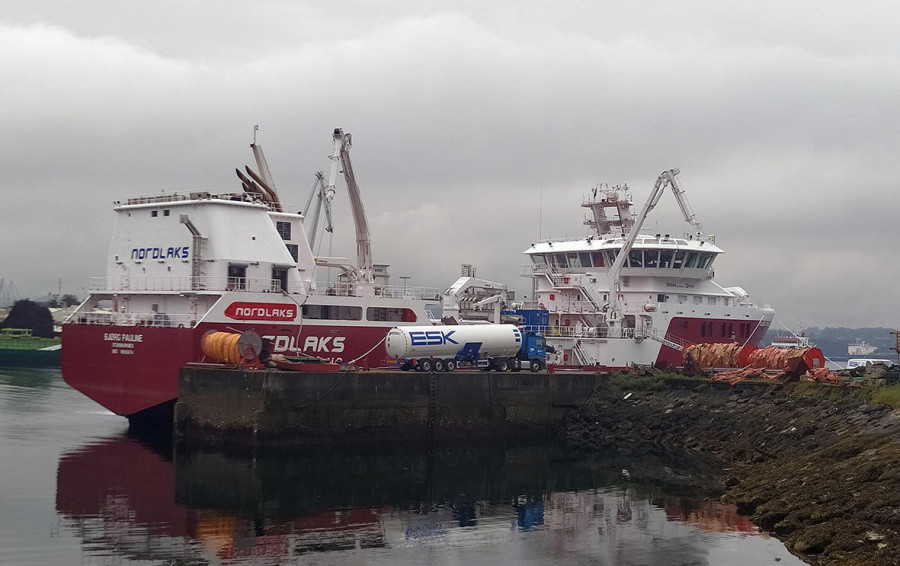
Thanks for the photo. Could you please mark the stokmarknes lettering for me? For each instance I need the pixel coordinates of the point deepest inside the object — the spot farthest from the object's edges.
(181, 252)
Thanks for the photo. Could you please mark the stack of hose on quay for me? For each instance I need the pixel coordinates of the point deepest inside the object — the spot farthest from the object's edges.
(738, 362)
(232, 348)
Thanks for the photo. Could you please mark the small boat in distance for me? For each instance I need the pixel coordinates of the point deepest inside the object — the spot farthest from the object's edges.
(859, 347)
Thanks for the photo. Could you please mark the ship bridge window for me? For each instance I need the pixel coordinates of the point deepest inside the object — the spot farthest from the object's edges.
(597, 258)
(559, 261)
(390, 314)
(585, 258)
(284, 229)
(332, 312)
(611, 256)
(704, 261)
(636, 258)
(572, 260)
(651, 258)
(678, 261)
(539, 259)
(691, 260)
(665, 259)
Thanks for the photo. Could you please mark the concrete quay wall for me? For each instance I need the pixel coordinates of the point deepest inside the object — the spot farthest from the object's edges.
(278, 408)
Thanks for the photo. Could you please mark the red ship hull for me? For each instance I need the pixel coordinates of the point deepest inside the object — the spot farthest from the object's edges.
(689, 330)
(130, 369)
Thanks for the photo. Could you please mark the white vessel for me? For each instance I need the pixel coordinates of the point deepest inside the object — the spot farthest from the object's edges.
(184, 265)
(791, 341)
(860, 348)
(620, 297)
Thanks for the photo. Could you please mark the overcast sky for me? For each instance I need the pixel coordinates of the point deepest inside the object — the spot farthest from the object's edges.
(478, 127)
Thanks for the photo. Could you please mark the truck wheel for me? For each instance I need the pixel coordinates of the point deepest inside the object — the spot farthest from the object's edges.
(450, 365)
(425, 365)
(502, 365)
(438, 365)
(535, 365)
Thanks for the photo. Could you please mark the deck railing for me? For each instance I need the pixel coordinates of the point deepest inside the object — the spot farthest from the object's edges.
(151, 319)
(181, 284)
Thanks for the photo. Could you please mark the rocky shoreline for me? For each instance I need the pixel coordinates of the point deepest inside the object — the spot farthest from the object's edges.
(818, 466)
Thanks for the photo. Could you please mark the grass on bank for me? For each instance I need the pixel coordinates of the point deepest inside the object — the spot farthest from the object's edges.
(889, 395)
(635, 382)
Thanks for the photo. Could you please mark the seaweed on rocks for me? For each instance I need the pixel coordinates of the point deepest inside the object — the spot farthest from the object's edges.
(815, 465)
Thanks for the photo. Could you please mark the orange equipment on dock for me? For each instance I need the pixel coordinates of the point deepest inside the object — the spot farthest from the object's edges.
(231, 348)
(735, 355)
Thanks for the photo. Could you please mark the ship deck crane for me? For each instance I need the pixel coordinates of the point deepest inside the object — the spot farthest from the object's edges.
(323, 195)
(362, 273)
(665, 179)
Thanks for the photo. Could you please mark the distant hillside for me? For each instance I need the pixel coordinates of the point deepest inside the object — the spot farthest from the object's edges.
(833, 341)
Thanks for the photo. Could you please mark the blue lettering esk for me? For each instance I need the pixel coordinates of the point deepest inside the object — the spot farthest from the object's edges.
(431, 338)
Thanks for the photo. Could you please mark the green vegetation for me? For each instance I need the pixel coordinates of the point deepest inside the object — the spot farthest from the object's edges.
(836, 394)
(889, 395)
(634, 382)
(28, 314)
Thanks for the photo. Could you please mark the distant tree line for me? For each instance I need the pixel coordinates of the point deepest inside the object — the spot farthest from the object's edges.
(28, 314)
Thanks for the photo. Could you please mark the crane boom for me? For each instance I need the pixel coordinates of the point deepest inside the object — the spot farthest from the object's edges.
(341, 156)
(323, 200)
(665, 179)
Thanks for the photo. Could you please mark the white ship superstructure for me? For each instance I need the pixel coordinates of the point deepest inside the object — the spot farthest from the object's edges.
(620, 297)
(860, 348)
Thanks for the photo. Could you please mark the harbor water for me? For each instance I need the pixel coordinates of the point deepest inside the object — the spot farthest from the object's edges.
(76, 489)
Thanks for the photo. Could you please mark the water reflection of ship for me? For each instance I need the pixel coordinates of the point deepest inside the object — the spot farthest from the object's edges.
(125, 499)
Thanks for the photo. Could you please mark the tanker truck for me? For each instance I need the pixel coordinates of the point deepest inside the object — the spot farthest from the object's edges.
(500, 347)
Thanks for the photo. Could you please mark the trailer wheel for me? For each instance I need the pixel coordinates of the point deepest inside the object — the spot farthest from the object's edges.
(450, 365)
(439, 365)
(425, 365)
(535, 365)
(502, 365)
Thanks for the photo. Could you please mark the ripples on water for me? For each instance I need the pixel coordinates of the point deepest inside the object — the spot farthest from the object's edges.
(76, 490)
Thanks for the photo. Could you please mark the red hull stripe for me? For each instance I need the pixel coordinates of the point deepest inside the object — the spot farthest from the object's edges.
(130, 369)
